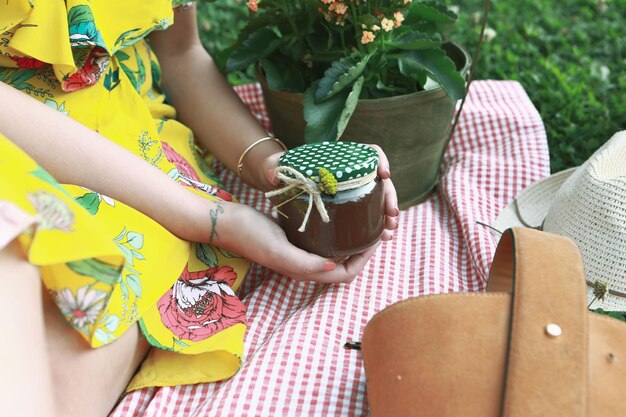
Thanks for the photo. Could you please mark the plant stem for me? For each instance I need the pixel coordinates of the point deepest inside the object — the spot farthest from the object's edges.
(285, 9)
(592, 301)
(355, 23)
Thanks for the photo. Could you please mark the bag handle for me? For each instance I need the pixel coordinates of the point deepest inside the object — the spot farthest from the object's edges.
(547, 369)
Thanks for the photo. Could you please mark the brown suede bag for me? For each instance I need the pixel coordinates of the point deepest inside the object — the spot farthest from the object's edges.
(528, 347)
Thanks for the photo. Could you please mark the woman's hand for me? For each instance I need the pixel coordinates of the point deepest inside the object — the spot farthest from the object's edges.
(391, 199)
(257, 237)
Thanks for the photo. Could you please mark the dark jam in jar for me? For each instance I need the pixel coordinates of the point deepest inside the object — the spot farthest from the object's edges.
(356, 216)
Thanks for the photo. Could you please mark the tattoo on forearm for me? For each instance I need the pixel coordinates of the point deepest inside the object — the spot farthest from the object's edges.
(214, 213)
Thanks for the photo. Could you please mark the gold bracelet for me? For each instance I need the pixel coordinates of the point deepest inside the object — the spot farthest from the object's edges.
(252, 145)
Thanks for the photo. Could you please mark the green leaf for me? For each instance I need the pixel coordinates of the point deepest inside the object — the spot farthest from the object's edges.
(258, 45)
(130, 74)
(120, 236)
(179, 342)
(430, 12)
(322, 119)
(22, 75)
(103, 336)
(101, 271)
(89, 201)
(282, 77)
(141, 70)
(135, 240)
(339, 75)
(320, 39)
(24, 86)
(134, 283)
(111, 79)
(413, 41)
(45, 176)
(124, 288)
(112, 323)
(122, 56)
(351, 103)
(127, 254)
(173, 173)
(409, 68)
(228, 254)
(122, 38)
(369, 19)
(440, 66)
(206, 254)
(156, 72)
(79, 14)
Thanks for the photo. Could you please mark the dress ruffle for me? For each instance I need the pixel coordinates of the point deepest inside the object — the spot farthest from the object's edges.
(52, 230)
(69, 38)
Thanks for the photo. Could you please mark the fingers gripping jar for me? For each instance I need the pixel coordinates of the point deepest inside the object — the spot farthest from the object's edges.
(332, 201)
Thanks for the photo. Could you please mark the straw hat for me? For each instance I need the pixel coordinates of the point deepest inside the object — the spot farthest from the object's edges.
(588, 205)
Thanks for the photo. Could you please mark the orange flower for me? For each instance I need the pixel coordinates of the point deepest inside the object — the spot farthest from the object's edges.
(367, 37)
(399, 18)
(387, 24)
(338, 7)
(253, 5)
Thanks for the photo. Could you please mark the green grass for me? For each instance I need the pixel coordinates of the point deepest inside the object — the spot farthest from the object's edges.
(569, 55)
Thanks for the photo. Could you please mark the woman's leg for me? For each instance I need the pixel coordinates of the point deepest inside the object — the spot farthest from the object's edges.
(25, 383)
(88, 382)
(58, 375)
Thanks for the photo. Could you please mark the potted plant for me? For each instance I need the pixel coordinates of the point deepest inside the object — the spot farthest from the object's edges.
(377, 71)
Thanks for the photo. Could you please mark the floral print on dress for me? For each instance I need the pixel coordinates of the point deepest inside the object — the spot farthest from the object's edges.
(80, 309)
(82, 27)
(26, 62)
(89, 74)
(107, 264)
(188, 176)
(202, 303)
(52, 212)
(88, 49)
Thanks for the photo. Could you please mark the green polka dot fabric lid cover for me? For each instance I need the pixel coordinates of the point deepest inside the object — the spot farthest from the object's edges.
(345, 160)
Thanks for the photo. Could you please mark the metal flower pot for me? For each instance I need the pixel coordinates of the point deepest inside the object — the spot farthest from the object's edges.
(412, 129)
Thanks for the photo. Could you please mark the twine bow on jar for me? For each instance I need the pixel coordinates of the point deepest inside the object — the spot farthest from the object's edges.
(295, 179)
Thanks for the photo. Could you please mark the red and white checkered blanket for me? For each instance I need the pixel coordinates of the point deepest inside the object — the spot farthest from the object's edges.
(295, 362)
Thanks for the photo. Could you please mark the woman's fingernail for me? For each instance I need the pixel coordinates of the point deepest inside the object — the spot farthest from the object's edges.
(387, 173)
(330, 266)
(396, 211)
(396, 226)
(271, 175)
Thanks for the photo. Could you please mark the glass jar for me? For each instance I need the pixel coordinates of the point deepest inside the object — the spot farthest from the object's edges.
(332, 203)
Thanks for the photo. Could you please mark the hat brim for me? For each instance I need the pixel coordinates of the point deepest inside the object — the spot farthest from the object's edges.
(531, 206)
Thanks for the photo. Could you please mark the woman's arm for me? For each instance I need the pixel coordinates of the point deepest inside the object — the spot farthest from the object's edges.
(74, 154)
(220, 121)
(206, 103)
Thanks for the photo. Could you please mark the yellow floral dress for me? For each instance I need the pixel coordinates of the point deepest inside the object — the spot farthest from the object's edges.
(106, 265)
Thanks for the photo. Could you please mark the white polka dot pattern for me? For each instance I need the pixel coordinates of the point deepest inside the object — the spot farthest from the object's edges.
(345, 160)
